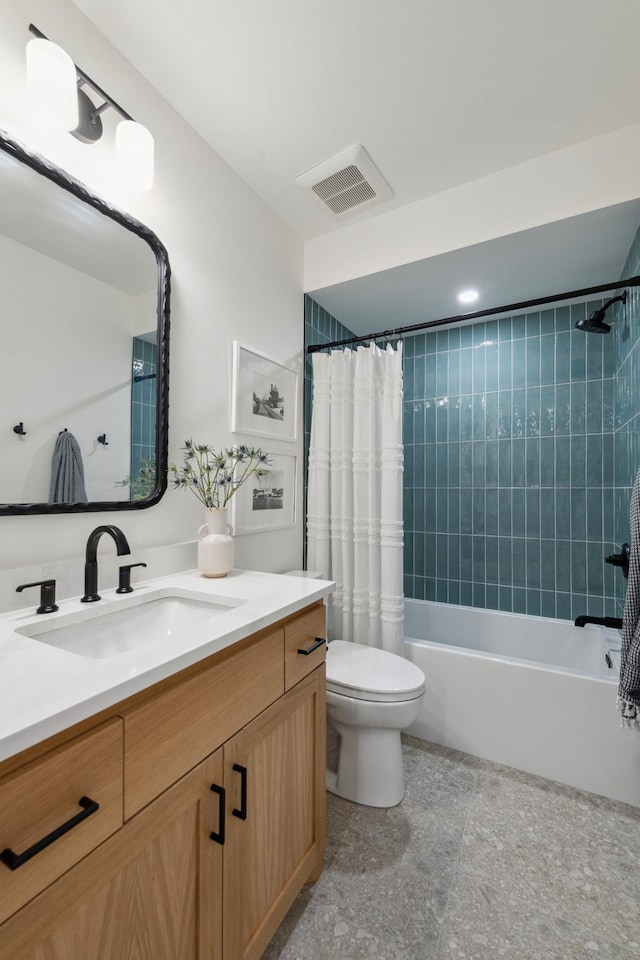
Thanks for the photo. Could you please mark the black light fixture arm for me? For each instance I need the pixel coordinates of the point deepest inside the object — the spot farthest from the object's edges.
(84, 78)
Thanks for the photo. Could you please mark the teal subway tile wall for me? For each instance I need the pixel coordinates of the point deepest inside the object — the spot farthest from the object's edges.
(143, 413)
(521, 445)
(625, 327)
(509, 480)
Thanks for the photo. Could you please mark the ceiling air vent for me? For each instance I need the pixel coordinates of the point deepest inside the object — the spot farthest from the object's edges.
(347, 182)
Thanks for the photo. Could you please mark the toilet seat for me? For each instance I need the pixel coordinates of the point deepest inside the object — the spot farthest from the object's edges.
(367, 673)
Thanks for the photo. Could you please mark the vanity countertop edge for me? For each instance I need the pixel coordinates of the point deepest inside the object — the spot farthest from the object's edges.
(45, 690)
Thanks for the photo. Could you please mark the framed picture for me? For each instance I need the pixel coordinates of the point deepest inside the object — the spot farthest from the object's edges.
(267, 502)
(264, 395)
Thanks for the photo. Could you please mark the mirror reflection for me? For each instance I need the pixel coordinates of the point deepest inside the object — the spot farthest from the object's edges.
(80, 383)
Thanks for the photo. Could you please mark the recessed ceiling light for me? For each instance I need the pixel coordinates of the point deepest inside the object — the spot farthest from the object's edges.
(468, 296)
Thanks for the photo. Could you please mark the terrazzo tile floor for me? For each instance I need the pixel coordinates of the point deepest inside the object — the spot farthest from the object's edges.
(478, 862)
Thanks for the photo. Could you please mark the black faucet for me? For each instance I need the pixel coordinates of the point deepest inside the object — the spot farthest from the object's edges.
(614, 622)
(91, 560)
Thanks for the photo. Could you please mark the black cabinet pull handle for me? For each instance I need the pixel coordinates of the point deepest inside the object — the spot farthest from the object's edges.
(242, 812)
(314, 646)
(219, 836)
(15, 860)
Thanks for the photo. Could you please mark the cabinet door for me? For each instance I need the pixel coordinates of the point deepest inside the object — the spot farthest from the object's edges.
(274, 776)
(151, 892)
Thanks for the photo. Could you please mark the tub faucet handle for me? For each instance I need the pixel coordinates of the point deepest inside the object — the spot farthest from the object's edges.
(615, 623)
(620, 560)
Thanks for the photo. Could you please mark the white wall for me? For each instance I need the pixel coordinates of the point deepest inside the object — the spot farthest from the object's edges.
(238, 270)
(86, 390)
(236, 274)
(586, 176)
(145, 307)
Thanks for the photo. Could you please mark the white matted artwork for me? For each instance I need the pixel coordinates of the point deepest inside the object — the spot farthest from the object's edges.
(267, 502)
(263, 395)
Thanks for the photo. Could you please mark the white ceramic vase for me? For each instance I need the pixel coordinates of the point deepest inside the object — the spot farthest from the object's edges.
(215, 544)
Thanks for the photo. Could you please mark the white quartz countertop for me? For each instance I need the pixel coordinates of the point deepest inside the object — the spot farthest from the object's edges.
(44, 690)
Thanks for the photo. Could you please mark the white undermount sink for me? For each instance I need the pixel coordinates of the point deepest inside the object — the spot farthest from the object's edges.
(119, 626)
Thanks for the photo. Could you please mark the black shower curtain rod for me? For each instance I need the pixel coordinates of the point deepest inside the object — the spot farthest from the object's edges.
(507, 308)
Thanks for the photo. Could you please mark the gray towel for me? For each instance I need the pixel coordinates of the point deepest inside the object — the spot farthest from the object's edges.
(67, 471)
(629, 686)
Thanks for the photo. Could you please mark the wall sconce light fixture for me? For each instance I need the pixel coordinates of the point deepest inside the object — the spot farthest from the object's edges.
(55, 92)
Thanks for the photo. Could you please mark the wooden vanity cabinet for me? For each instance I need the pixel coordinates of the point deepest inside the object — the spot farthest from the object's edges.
(37, 801)
(208, 868)
(152, 890)
(280, 761)
(171, 732)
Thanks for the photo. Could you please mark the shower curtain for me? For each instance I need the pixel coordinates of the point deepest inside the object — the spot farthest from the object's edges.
(354, 503)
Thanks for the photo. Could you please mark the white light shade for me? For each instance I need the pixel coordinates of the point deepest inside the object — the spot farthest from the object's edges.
(52, 90)
(134, 154)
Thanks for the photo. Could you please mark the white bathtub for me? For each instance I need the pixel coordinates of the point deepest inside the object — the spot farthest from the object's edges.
(530, 692)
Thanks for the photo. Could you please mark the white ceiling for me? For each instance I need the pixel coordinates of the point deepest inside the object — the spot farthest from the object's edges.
(439, 92)
(560, 257)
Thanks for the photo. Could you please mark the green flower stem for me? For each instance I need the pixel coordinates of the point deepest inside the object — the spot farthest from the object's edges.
(248, 471)
(215, 476)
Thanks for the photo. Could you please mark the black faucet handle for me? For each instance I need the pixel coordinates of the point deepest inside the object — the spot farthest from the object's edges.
(47, 595)
(620, 560)
(124, 577)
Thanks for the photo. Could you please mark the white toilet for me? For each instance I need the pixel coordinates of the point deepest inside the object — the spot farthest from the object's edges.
(371, 696)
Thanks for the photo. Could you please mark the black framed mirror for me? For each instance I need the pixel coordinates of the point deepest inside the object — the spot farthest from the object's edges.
(84, 358)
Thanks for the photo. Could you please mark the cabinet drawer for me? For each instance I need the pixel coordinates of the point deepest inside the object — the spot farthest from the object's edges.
(301, 634)
(44, 796)
(170, 734)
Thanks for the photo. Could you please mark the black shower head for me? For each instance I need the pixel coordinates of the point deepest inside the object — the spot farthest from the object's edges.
(595, 323)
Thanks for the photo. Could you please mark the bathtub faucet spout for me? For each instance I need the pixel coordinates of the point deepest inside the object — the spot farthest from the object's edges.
(614, 622)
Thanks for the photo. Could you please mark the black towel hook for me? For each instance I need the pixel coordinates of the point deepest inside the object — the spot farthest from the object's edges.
(103, 440)
(19, 429)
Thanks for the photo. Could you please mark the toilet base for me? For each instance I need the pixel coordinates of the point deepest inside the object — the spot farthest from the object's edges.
(370, 769)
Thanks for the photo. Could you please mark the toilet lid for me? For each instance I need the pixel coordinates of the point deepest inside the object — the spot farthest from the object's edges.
(367, 673)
